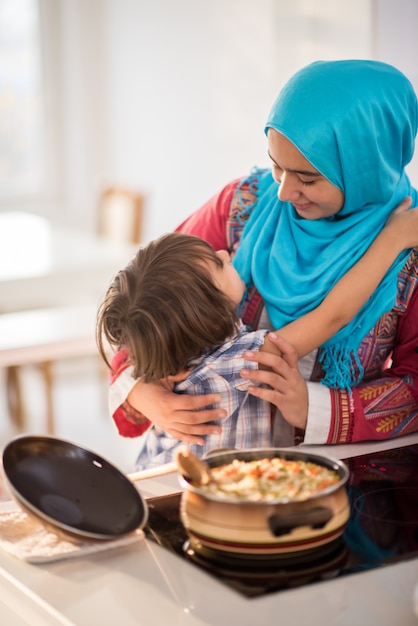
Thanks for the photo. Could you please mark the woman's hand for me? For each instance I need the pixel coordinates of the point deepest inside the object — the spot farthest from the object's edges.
(181, 415)
(288, 390)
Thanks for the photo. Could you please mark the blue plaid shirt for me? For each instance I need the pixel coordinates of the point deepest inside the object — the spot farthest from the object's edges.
(249, 421)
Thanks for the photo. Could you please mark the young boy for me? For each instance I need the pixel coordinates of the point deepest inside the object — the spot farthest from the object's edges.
(173, 308)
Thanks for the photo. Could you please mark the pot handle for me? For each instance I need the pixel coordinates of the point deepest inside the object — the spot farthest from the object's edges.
(284, 524)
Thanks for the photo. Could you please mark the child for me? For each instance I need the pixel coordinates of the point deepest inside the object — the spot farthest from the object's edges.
(174, 309)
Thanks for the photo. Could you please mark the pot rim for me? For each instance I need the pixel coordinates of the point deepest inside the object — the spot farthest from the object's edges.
(217, 458)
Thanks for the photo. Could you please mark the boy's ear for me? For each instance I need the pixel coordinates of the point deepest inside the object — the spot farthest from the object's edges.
(178, 377)
(170, 381)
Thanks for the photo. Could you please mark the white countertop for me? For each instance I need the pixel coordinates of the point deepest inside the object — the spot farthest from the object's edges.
(144, 584)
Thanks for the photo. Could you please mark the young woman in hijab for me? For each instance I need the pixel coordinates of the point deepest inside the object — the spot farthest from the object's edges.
(340, 135)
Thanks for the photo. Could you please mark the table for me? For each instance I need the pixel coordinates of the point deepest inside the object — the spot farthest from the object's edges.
(52, 280)
(146, 585)
(43, 264)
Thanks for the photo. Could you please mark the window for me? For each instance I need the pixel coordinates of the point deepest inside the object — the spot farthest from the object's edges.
(22, 126)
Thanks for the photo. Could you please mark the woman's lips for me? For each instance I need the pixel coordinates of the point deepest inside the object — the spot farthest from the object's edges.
(302, 207)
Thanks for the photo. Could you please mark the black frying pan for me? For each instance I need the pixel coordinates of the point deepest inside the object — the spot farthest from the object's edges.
(72, 488)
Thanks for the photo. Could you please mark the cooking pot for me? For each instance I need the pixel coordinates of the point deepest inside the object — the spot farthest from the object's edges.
(72, 489)
(266, 528)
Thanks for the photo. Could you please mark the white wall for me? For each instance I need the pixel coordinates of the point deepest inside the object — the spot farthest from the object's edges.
(191, 82)
(171, 96)
(189, 86)
(396, 42)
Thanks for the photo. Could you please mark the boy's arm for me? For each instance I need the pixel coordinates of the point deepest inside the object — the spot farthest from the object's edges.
(354, 289)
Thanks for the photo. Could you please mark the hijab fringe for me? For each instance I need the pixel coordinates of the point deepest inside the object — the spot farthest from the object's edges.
(341, 365)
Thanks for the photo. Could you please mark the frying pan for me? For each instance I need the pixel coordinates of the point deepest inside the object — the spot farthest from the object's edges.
(72, 488)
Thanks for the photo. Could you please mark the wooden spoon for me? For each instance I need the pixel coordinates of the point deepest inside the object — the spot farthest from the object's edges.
(192, 467)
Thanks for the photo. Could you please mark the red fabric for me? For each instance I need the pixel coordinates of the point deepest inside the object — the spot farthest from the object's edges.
(209, 222)
(125, 427)
(129, 421)
(385, 405)
(119, 362)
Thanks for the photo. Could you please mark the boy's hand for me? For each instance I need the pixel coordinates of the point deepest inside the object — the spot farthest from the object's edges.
(403, 225)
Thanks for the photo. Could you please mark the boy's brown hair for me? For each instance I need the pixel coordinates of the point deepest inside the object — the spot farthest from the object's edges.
(165, 308)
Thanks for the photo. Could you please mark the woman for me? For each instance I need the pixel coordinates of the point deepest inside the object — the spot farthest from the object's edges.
(174, 308)
(340, 135)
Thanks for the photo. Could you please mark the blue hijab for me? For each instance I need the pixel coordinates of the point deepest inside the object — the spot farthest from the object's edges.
(355, 122)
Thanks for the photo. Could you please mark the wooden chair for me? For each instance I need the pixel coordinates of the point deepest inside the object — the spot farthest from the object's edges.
(62, 332)
(39, 337)
(120, 214)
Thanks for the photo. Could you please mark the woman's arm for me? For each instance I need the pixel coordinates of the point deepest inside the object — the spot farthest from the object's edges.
(384, 407)
(353, 290)
(183, 416)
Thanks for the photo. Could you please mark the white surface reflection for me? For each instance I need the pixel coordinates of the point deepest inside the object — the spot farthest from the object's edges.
(25, 245)
(44, 265)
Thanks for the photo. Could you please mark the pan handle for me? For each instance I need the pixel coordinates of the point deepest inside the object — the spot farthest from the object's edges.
(315, 518)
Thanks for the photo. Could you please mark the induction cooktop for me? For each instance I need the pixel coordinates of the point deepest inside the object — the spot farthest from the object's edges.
(382, 529)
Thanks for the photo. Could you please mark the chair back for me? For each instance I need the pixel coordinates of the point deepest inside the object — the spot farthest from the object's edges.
(121, 214)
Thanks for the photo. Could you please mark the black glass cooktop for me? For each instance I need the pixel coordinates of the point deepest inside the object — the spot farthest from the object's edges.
(382, 529)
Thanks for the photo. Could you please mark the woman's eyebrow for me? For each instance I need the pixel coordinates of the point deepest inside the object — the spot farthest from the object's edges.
(303, 172)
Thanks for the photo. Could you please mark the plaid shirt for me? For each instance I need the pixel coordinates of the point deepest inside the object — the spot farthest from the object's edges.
(250, 420)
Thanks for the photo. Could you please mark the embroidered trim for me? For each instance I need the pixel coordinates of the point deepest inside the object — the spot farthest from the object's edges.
(243, 203)
(340, 416)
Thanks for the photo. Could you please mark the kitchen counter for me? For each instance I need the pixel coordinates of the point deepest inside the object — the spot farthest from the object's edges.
(144, 584)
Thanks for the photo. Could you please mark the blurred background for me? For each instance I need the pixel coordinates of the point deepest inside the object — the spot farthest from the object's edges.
(167, 99)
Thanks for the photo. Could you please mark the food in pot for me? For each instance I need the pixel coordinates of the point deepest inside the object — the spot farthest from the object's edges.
(270, 479)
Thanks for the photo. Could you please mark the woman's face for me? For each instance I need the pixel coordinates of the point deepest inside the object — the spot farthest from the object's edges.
(311, 195)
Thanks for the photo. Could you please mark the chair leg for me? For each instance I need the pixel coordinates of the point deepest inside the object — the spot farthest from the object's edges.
(46, 369)
(15, 396)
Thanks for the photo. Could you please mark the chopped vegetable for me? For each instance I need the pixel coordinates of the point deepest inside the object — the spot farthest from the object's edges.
(270, 479)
